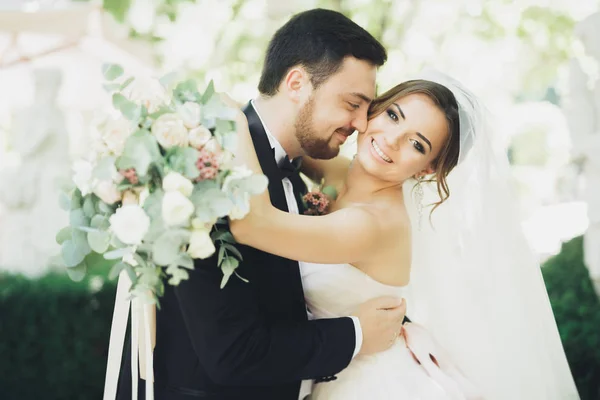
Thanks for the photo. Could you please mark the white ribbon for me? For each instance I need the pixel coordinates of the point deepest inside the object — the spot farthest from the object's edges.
(144, 314)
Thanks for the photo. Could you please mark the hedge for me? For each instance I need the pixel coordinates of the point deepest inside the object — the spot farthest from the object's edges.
(54, 332)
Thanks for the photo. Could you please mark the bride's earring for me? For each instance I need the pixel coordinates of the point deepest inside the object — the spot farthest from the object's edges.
(419, 200)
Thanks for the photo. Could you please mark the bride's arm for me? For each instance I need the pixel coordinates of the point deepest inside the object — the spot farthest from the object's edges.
(345, 236)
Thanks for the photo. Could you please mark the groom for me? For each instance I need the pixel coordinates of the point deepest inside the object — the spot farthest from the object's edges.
(254, 340)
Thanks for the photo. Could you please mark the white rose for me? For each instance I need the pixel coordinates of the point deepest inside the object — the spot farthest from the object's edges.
(148, 92)
(107, 191)
(213, 146)
(201, 245)
(176, 209)
(170, 131)
(241, 207)
(83, 176)
(199, 137)
(114, 135)
(190, 113)
(130, 223)
(177, 182)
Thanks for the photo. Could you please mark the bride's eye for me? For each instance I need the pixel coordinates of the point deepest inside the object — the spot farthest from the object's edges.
(418, 146)
(393, 116)
(354, 106)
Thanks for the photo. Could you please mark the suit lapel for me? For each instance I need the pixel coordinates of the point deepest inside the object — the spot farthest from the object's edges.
(266, 158)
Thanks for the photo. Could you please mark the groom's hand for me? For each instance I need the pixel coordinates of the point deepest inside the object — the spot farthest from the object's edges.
(381, 323)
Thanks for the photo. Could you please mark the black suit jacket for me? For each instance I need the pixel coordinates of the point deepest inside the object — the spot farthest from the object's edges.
(248, 340)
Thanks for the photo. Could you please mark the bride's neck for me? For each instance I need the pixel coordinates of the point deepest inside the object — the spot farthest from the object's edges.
(360, 186)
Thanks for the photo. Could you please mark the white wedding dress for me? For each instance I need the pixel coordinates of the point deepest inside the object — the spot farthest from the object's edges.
(336, 291)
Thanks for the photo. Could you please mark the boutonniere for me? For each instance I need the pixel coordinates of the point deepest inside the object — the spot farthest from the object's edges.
(317, 202)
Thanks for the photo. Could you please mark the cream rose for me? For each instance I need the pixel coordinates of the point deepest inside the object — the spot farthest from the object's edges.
(170, 131)
(199, 137)
(107, 191)
(176, 209)
(177, 182)
(201, 245)
(130, 224)
(147, 92)
(114, 135)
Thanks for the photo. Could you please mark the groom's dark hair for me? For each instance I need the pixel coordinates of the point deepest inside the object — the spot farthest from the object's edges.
(319, 40)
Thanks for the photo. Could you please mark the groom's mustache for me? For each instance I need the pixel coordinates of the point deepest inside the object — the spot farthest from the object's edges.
(345, 131)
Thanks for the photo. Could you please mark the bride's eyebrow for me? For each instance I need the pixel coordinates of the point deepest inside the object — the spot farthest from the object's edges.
(425, 139)
(400, 111)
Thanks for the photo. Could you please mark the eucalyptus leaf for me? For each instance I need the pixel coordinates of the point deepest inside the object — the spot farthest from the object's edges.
(129, 109)
(112, 71)
(183, 160)
(76, 199)
(100, 222)
(208, 93)
(167, 247)
(78, 218)
(103, 208)
(213, 202)
(79, 238)
(255, 184)
(234, 250)
(116, 270)
(225, 236)
(141, 149)
(71, 253)
(222, 250)
(126, 83)
(118, 253)
(131, 273)
(87, 229)
(98, 241)
(77, 273)
(330, 191)
(168, 79)
(228, 267)
(153, 204)
(63, 235)
(185, 261)
(111, 87)
(177, 274)
(140, 260)
(89, 208)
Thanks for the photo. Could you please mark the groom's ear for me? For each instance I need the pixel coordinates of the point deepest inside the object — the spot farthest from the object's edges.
(297, 85)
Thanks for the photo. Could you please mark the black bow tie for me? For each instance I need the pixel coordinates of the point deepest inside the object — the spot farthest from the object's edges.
(288, 167)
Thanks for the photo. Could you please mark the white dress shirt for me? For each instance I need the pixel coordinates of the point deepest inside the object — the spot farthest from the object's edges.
(279, 152)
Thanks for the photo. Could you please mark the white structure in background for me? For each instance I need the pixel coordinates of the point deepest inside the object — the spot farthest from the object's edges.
(31, 185)
(44, 127)
(583, 112)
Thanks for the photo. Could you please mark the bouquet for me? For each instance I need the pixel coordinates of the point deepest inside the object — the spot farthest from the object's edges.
(158, 187)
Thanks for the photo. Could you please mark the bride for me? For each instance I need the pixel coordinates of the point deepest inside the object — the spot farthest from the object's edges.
(424, 212)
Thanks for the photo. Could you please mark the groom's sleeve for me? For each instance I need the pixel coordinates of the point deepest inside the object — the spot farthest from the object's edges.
(237, 345)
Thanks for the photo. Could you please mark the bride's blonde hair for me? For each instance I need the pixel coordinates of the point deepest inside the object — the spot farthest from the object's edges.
(446, 102)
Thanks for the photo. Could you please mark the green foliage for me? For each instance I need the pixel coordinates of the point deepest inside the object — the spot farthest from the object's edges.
(577, 311)
(53, 337)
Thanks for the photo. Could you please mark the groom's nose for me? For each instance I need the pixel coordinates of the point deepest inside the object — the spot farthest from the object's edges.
(360, 122)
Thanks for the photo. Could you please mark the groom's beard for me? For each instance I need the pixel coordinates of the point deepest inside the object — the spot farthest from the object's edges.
(307, 136)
